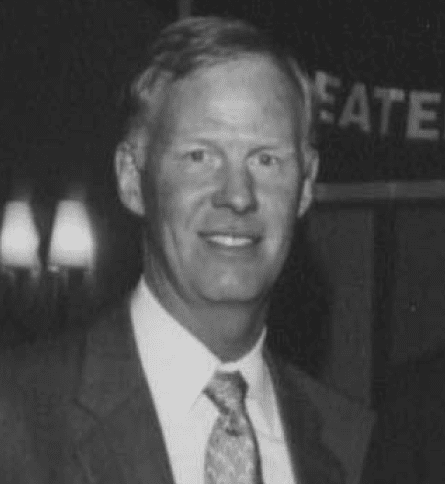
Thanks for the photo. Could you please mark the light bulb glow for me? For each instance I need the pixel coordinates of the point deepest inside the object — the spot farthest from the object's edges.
(72, 243)
(19, 241)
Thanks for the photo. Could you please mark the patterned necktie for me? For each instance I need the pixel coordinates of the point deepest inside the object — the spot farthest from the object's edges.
(232, 455)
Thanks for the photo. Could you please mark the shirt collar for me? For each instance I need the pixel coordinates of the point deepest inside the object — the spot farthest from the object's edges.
(178, 366)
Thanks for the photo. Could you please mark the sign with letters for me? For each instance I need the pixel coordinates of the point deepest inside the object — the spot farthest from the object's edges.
(369, 133)
(423, 110)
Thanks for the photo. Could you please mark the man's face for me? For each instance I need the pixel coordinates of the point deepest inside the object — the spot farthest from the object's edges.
(224, 179)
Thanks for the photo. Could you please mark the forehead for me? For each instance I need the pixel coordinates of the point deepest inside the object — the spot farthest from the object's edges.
(248, 95)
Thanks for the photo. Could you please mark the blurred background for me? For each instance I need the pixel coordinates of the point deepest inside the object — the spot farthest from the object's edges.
(363, 292)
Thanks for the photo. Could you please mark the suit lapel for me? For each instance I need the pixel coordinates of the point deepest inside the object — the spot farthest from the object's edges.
(117, 433)
(313, 461)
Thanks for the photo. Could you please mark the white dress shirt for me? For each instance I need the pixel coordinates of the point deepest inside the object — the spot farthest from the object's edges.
(178, 367)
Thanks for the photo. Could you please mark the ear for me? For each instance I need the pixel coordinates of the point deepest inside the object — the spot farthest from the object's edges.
(128, 173)
(310, 173)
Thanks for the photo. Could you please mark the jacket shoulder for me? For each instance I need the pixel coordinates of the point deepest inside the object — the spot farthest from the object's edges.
(38, 382)
(35, 382)
(62, 354)
(40, 362)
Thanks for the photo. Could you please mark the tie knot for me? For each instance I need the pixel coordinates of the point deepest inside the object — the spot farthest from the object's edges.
(227, 391)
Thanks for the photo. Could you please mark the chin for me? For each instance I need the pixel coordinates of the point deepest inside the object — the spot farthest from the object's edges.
(233, 283)
(232, 293)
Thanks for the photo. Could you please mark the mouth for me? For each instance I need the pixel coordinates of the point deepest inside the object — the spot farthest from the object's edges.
(231, 241)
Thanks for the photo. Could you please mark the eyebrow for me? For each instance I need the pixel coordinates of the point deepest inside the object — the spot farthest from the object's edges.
(273, 147)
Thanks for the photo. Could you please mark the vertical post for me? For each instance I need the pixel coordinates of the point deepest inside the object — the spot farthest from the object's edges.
(184, 8)
(384, 285)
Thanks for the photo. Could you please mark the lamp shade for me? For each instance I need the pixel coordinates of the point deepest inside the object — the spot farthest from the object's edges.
(19, 242)
(72, 243)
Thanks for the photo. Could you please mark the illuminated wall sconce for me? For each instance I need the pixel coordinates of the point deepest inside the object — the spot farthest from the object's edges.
(72, 243)
(20, 262)
(42, 290)
(19, 242)
(71, 261)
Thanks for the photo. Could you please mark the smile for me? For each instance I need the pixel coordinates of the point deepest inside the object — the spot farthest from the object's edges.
(231, 241)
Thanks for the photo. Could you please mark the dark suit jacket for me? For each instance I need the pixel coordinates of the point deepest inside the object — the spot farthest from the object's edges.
(81, 412)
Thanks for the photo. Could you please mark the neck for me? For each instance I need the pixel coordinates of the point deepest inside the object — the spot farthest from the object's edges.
(229, 330)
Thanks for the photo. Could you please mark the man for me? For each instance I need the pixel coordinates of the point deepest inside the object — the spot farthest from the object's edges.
(175, 385)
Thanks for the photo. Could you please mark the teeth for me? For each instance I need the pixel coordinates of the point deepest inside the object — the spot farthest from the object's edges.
(230, 241)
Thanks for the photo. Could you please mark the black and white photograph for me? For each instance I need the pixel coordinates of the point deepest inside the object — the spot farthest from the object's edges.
(222, 242)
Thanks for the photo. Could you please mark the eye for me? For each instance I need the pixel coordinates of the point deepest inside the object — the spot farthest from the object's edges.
(266, 159)
(197, 156)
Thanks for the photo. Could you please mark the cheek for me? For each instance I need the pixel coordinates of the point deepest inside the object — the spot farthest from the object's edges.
(280, 210)
(180, 208)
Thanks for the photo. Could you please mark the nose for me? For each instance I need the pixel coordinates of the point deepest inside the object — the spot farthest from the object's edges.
(236, 191)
